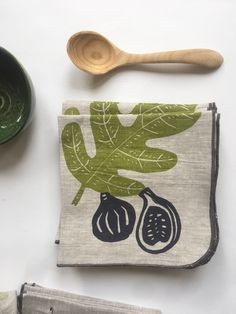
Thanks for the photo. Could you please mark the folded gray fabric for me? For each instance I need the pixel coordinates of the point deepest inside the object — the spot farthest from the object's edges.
(8, 302)
(138, 184)
(38, 300)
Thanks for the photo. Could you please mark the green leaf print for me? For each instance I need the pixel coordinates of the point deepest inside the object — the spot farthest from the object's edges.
(123, 147)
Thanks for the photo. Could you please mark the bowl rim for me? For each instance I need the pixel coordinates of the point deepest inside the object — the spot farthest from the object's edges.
(29, 89)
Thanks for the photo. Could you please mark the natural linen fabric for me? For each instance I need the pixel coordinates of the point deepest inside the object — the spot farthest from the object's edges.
(118, 158)
(8, 302)
(38, 300)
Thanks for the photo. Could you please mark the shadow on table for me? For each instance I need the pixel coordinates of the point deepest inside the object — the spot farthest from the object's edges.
(213, 272)
(78, 78)
(13, 151)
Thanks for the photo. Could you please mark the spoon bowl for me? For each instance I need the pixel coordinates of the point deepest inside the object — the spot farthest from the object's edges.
(92, 52)
(95, 54)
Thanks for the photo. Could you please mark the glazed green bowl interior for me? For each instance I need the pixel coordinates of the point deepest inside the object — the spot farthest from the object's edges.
(15, 96)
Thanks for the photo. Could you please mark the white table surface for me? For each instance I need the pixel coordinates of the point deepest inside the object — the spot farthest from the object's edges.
(36, 32)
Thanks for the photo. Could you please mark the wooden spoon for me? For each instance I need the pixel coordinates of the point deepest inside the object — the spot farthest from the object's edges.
(95, 54)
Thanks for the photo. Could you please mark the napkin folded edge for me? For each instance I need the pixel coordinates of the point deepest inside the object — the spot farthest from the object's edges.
(212, 201)
(36, 291)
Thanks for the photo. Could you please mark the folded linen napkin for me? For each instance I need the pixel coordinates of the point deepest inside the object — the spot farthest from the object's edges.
(38, 300)
(8, 302)
(138, 184)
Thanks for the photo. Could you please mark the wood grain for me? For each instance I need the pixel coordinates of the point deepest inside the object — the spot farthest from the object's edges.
(95, 54)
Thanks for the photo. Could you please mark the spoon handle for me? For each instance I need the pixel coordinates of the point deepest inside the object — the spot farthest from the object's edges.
(203, 57)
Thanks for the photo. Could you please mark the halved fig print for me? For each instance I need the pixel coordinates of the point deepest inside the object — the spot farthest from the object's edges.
(114, 219)
(159, 225)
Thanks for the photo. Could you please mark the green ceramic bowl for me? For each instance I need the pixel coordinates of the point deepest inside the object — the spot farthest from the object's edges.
(16, 97)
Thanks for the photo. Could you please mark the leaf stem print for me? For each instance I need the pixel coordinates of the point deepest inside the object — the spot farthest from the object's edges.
(123, 147)
(78, 195)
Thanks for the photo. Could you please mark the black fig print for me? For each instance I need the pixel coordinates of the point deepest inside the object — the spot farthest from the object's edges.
(114, 219)
(159, 225)
(156, 225)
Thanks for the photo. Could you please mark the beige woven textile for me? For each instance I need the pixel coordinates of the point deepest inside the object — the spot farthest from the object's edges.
(138, 184)
(8, 302)
(38, 300)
